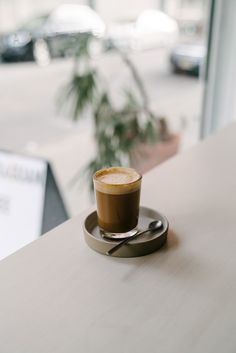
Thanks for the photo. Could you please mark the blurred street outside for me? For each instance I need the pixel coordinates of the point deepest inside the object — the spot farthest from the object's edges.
(31, 122)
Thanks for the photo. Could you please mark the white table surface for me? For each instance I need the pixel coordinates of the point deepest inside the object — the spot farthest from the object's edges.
(59, 296)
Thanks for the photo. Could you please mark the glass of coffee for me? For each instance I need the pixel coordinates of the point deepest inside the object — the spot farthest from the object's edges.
(117, 192)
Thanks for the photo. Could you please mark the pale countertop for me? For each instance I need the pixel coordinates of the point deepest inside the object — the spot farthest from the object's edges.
(59, 296)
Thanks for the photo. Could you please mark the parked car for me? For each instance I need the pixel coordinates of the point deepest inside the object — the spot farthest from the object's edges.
(51, 35)
(188, 58)
(151, 29)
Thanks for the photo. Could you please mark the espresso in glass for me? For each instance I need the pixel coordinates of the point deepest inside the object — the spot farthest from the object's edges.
(117, 195)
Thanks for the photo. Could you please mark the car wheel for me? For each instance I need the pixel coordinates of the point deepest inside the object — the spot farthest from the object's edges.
(41, 52)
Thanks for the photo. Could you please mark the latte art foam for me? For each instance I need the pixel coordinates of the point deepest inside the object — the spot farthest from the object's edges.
(118, 176)
(117, 180)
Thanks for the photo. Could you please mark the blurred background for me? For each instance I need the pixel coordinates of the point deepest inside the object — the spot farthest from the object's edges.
(155, 50)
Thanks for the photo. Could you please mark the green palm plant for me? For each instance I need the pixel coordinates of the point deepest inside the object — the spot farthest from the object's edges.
(117, 131)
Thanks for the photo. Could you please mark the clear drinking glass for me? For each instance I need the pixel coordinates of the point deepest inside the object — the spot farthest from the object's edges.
(117, 191)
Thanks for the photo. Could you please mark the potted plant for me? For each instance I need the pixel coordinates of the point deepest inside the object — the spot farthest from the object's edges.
(129, 135)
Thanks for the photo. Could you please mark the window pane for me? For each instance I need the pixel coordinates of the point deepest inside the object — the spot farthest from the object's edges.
(119, 83)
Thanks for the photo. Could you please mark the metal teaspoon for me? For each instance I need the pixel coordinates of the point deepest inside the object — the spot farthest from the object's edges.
(152, 227)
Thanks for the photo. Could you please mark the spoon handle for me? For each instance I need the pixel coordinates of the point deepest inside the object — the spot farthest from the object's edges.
(123, 242)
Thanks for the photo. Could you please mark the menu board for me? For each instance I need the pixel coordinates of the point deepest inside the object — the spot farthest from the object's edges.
(22, 194)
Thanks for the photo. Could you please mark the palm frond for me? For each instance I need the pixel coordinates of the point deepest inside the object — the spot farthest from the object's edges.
(117, 131)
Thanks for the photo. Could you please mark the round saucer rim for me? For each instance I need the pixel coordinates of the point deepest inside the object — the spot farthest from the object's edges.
(104, 240)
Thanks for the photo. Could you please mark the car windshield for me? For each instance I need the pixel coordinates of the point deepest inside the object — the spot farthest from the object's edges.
(34, 23)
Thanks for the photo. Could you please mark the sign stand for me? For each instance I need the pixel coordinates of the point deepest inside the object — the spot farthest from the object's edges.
(30, 201)
(54, 212)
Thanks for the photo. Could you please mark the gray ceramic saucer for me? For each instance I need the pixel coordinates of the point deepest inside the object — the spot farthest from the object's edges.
(143, 245)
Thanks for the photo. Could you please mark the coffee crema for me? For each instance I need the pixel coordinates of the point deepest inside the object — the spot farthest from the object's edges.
(117, 180)
(117, 194)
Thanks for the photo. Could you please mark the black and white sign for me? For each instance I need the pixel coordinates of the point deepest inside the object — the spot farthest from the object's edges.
(30, 202)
